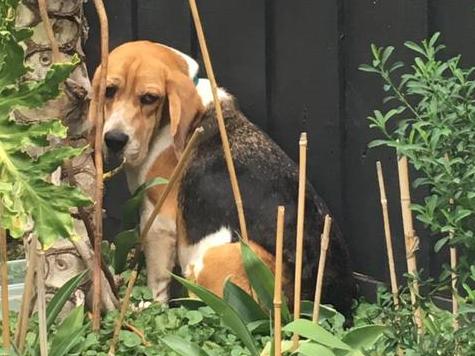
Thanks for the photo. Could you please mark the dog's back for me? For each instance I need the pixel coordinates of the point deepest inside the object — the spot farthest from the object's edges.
(267, 178)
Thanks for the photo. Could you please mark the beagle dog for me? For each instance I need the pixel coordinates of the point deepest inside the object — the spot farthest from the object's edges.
(153, 104)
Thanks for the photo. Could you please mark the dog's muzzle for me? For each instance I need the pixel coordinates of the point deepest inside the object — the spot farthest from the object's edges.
(116, 140)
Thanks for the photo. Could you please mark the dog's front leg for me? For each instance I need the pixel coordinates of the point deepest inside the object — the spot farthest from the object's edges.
(160, 250)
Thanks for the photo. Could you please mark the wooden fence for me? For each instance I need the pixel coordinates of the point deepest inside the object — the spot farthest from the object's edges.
(292, 64)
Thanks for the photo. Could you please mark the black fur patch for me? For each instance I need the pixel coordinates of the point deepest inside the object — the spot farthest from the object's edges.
(267, 178)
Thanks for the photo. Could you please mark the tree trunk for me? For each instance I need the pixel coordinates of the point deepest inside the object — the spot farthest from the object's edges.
(66, 258)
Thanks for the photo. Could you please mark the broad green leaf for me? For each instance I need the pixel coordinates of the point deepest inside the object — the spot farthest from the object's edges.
(124, 242)
(363, 337)
(315, 332)
(129, 339)
(57, 303)
(326, 312)
(285, 346)
(313, 349)
(69, 333)
(183, 347)
(262, 281)
(130, 214)
(228, 315)
(60, 298)
(243, 303)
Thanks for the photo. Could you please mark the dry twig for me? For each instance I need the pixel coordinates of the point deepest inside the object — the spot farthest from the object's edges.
(325, 240)
(99, 122)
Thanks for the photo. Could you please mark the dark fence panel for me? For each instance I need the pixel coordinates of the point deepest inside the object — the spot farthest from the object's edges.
(293, 67)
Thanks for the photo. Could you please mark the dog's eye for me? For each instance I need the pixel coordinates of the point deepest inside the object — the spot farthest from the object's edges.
(110, 91)
(148, 99)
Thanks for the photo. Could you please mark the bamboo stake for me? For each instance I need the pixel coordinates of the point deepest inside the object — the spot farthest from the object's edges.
(325, 240)
(43, 7)
(24, 315)
(99, 121)
(409, 236)
(453, 266)
(300, 230)
(4, 276)
(279, 245)
(220, 120)
(41, 301)
(387, 233)
(123, 310)
(176, 174)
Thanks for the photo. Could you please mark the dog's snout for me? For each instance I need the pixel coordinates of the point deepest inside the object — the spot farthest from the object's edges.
(116, 140)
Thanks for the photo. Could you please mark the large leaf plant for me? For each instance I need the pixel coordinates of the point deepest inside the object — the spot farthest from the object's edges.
(28, 200)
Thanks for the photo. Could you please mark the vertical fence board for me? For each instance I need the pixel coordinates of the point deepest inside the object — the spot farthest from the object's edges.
(383, 23)
(304, 89)
(235, 32)
(165, 21)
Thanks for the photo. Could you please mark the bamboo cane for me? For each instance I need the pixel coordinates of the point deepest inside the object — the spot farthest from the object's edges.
(325, 240)
(123, 310)
(409, 236)
(4, 277)
(220, 120)
(387, 233)
(24, 315)
(41, 302)
(278, 280)
(300, 230)
(176, 174)
(99, 121)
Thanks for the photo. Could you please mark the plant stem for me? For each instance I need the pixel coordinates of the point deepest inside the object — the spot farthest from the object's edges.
(99, 122)
(41, 302)
(4, 277)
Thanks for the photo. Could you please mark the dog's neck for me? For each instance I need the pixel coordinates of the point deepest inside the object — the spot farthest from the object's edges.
(136, 176)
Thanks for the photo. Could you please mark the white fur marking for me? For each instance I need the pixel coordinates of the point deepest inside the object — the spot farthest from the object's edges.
(191, 257)
(136, 176)
(204, 90)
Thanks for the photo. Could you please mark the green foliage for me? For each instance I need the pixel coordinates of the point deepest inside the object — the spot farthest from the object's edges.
(126, 240)
(25, 193)
(229, 316)
(431, 119)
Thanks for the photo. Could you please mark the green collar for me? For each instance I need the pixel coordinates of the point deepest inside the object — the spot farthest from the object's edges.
(196, 79)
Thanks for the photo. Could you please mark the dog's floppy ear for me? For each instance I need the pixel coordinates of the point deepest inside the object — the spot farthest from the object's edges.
(185, 107)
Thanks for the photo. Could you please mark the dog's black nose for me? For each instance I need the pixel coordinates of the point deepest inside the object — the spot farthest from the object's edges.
(116, 140)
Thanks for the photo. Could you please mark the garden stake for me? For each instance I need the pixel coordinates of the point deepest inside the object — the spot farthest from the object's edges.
(4, 274)
(43, 7)
(324, 242)
(387, 233)
(24, 315)
(410, 239)
(279, 238)
(453, 267)
(176, 174)
(98, 105)
(123, 309)
(41, 301)
(300, 226)
(219, 117)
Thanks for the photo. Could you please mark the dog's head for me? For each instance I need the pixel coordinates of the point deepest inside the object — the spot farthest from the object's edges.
(148, 87)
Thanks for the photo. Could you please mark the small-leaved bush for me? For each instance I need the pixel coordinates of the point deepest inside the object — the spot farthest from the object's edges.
(430, 118)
